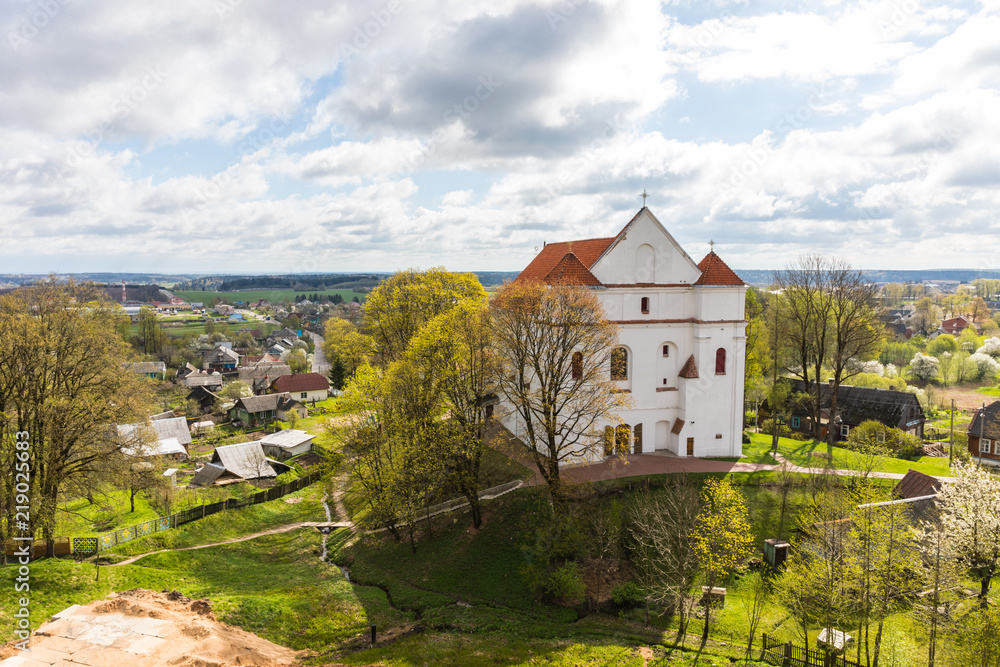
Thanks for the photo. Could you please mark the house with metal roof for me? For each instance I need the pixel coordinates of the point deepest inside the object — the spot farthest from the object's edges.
(682, 341)
(160, 437)
(286, 444)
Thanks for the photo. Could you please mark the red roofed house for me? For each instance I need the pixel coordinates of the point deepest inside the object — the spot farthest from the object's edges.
(956, 325)
(682, 334)
(303, 386)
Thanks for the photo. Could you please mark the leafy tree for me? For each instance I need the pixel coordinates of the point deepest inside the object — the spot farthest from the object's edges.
(970, 514)
(236, 389)
(63, 376)
(553, 348)
(941, 344)
(298, 361)
(942, 574)
(978, 310)
(453, 350)
(925, 316)
(151, 335)
(723, 536)
(402, 304)
(884, 558)
(342, 341)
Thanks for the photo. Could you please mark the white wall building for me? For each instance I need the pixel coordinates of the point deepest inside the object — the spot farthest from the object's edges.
(681, 330)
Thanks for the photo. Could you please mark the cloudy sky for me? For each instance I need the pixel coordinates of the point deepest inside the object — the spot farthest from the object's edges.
(248, 136)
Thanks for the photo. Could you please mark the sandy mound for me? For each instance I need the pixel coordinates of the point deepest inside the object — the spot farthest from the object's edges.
(141, 627)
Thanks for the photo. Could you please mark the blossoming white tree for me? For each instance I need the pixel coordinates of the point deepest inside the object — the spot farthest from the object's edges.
(970, 515)
(924, 367)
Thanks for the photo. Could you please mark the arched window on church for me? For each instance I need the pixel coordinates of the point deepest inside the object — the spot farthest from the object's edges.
(644, 305)
(577, 365)
(619, 364)
(720, 361)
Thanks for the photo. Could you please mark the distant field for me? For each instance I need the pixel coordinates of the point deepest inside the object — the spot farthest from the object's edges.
(273, 296)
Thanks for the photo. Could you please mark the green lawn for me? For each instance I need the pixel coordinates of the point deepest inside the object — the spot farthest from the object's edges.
(275, 586)
(804, 453)
(304, 505)
(110, 511)
(272, 296)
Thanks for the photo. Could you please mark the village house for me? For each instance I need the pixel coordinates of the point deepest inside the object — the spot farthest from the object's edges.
(211, 381)
(259, 410)
(243, 461)
(984, 434)
(155, 370)
(956, 325)
(304, 386)
(222, 359)
(287, 443)
(682, 336)
(168, 437)
(856, 405)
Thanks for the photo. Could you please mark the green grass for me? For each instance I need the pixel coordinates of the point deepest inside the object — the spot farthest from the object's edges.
(989, 391)
(275, 586)
(110, 511)
(306, 506)
(799, 452)
(272, 296)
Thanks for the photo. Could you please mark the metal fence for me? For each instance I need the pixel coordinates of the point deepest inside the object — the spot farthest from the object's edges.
(787, 654)
(88, 546)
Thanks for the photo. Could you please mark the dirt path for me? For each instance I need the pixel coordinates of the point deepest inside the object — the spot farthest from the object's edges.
(273, 531)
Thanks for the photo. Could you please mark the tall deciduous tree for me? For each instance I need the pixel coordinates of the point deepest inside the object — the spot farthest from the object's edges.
(723, 537)
(830, 320)
(64, 380)
(400, 305)
(553, 350)
(662, 526)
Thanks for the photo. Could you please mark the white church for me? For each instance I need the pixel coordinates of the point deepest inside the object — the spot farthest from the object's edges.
(682, 335)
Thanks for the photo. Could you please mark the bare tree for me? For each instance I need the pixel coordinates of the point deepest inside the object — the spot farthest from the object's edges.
(662, 526)
(553, 350)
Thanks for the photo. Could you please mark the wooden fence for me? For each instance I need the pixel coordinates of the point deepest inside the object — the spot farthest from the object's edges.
(88, 546)
(787, 654)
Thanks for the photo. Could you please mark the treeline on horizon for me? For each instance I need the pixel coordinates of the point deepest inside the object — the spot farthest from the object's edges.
(766, 276)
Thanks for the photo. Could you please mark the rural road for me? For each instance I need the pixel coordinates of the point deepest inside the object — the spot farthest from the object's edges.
(320, 363)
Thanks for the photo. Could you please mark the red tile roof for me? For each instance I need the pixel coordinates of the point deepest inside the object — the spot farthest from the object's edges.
(587, 252)
(301, 382)
(715, 272)
(690, 369)
(570, 271)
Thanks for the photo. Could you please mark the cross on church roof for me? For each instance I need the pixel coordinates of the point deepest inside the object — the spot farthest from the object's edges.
(644, 195)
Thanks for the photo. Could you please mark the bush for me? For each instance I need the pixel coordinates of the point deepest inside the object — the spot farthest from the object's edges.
(767, 426)
(628, 595)
(872, 435)
(564, 584)
(746, 438)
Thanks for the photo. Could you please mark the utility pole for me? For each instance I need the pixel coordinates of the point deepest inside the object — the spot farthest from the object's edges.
(951, 436)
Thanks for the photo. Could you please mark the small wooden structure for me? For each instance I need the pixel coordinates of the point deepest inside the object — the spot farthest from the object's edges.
(715, 596)
(776, 552)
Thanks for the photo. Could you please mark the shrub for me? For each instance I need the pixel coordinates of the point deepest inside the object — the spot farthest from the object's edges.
(628, 595)
(767, 426)
(872, 435)
(941, 344)
(746, 438)
(564, 584)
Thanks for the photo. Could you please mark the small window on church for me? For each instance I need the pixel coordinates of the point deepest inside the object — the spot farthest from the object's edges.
(645, 305)
(720, 362)
(666, 350)
(577, 365)
(619, 364)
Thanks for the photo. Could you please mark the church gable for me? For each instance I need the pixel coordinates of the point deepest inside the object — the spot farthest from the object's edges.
(645, 253)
